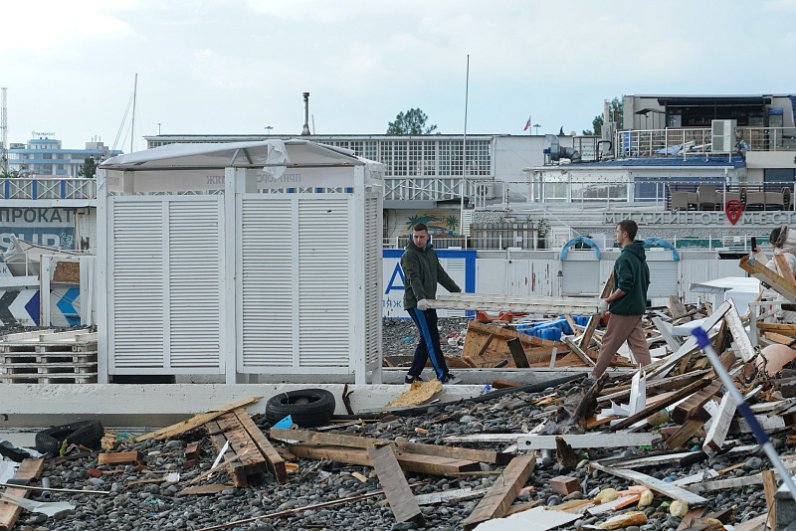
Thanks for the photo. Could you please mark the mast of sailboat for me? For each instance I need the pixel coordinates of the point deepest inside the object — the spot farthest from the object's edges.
(132, 122)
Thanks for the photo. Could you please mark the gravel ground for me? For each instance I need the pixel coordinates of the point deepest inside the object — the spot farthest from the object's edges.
(156, 506)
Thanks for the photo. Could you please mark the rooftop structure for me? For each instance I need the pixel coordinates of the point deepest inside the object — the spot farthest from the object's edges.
(44, 156)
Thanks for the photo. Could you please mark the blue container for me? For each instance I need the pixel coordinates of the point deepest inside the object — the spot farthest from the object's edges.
(552, 333)
(582, 320)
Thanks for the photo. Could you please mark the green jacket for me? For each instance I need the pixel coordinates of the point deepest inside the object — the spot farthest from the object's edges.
(631, 275)
(422, 271)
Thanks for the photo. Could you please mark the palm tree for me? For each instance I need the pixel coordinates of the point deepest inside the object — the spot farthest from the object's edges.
(452, 222)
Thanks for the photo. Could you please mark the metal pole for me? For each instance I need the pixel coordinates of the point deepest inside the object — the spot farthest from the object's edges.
(464, 149)
(703, 341)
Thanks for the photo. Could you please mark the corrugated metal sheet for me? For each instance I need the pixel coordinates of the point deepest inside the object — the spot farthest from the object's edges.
(266, 280)
(323, 282)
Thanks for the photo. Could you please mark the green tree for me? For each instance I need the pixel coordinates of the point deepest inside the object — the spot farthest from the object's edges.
(6, 173)
(88, 169)
(617, 110)
(412, 122)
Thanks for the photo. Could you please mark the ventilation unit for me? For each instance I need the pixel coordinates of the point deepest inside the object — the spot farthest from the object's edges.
(722, 134)
(485, 190)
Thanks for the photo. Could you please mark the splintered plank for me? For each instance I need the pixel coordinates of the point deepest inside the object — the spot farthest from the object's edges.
(28, 470)
(402, 502)
(665, 402)
(424, 464)
(676, 307)
(275, 462)
(770, 490)
(689, 428)
(194, 422)
(714, 440)
(314, 438)
(690, 345)
(661, 487)
(497, 501)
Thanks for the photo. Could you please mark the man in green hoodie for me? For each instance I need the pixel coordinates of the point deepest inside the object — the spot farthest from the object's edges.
(422, 272)
(627, 301)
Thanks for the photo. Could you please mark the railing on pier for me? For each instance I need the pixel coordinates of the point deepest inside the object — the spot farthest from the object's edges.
(697, 141)
(67, 188)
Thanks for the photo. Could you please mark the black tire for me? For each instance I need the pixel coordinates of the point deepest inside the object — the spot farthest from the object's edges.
(87, 433)
(307, 407)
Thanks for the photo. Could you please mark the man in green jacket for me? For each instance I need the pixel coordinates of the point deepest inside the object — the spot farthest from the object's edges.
(422, 272)
(627, 302)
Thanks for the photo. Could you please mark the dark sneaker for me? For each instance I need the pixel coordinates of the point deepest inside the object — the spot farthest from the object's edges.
(450, 379)
(411, 379)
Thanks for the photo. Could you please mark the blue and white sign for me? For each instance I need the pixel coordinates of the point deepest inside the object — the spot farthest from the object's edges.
(53, 227)
(459, 264)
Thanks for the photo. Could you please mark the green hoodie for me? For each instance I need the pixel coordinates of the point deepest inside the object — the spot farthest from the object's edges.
(422, 271)
(631, 275)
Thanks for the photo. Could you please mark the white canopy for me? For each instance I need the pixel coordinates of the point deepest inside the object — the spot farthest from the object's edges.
(291, 153)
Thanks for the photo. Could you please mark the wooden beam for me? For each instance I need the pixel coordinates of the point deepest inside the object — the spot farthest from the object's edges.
(402, 502)
(120, 458)
(783, 268)
(693, 406)
(273, 459)
(28, 470)
(676, 307)
(498, 302)
(308, 437)
(488, 344)
(503, 492)
(768, 277)
(684, 433)
(660, 404)
(579, 352)
(779, 328)
(518, 354)
(664, 384)
(662, 487)
(424, 464)
(194, 422)
(770, 489)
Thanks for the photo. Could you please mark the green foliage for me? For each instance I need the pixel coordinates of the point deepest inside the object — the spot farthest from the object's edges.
(88, 169)
(617, 110)
(412, 122)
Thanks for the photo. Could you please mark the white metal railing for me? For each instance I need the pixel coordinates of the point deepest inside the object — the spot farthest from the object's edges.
(67, 188)
(697, 141)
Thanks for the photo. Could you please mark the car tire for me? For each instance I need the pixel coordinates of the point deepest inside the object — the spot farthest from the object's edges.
(307, 407)
(87, 433)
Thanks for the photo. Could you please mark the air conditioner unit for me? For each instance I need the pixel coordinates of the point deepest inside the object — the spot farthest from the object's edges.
(485, 190)
(722, 134)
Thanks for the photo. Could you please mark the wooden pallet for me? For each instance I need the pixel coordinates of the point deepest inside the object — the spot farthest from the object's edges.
(249, 452)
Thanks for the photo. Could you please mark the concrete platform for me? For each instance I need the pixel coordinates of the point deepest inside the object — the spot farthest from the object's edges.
(153, 405)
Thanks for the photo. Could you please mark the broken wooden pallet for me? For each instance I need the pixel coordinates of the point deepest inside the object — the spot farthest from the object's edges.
(249, 452)
(487, 345)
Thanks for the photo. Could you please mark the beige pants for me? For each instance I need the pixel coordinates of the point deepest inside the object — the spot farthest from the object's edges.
(622, 328)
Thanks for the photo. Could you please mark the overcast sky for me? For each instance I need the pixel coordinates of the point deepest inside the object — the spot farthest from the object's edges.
(237, 66)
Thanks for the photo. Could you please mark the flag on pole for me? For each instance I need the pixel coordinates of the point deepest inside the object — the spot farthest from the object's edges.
(527, 124)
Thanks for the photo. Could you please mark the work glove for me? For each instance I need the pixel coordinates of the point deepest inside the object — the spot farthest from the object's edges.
(423, 305)
(602, 309)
